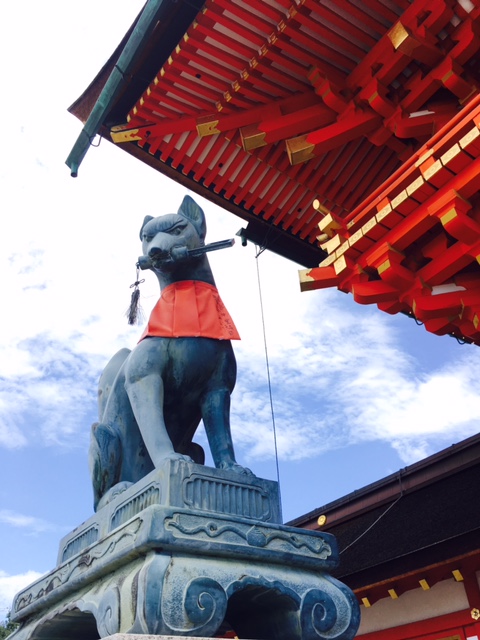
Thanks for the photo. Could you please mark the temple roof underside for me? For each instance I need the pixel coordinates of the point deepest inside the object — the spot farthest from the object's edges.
(343, 131)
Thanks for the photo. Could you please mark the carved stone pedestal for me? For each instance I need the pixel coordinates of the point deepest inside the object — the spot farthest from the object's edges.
(180, 553)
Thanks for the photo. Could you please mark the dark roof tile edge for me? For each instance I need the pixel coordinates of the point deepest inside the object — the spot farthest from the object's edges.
(410, 478)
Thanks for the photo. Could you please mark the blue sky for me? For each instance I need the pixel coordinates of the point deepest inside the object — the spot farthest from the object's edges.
(357, 394)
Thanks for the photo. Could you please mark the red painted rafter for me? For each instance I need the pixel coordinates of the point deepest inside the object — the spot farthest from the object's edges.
(379, 262)
(349, 91)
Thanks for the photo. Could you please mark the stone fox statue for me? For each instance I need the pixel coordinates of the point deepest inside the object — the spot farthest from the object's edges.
(183, 369)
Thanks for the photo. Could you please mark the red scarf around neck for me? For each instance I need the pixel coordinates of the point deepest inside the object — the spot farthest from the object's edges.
(190, 308)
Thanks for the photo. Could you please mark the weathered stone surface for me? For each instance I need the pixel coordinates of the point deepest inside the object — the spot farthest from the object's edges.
(181, 484)
(166, 558)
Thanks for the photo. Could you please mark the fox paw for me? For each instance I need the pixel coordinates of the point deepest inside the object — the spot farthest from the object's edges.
(178, 456)
(236, 468)
(112, 493)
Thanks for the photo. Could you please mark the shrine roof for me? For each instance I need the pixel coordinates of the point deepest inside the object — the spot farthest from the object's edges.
(419, 523)
(295, 113)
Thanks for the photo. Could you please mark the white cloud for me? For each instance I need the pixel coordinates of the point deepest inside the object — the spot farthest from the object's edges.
(48, 403)
(10, 585)
(343, 377)
(32, 524)
(339, 374)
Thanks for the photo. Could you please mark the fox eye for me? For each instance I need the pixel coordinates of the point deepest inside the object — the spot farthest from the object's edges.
(147, 237)
(176, 231)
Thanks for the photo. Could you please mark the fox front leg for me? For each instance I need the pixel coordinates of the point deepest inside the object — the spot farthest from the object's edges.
(216, 419)
(145, 389)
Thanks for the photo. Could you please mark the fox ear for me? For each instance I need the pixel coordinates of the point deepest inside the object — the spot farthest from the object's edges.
(190, 210)
(145, 220)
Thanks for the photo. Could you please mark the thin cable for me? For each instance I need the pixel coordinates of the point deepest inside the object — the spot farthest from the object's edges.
(259, 252)
(371, 526)
(379, 517)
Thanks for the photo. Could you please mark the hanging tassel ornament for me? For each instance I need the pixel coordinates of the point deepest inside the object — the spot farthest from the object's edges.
(134, 312)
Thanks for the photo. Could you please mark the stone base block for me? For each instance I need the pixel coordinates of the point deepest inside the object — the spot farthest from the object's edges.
(184, 553)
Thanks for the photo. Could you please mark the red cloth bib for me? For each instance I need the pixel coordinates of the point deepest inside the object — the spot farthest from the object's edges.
(190, 308)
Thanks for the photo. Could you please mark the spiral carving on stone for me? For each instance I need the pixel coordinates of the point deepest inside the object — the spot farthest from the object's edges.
(318, 615)
(108, 614)
(205, 604)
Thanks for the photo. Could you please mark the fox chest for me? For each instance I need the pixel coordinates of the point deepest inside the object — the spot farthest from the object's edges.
(188, 367)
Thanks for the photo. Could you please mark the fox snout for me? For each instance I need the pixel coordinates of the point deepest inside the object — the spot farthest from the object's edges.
(156, 256)
(158, 253)
(176, 252)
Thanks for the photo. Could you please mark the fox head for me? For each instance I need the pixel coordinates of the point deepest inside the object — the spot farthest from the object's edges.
(186, 229)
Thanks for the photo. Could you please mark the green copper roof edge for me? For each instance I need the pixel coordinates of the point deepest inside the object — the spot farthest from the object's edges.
(146, 23)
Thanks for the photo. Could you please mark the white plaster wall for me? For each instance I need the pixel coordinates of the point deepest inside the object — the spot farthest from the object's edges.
(444, 597)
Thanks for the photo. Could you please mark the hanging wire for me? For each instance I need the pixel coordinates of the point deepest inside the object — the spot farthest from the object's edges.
(371, 526)
(384, 513)
(259, 251)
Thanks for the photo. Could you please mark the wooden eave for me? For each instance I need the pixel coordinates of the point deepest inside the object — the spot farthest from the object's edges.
(445, 463)
(165, 35)
(418, 524)
(295, 114)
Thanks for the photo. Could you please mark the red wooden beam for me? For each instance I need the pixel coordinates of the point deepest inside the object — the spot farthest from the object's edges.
(349, 127)
(281, 127)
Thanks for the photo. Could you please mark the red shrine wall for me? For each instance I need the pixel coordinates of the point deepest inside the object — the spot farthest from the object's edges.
(442, 612)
